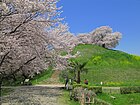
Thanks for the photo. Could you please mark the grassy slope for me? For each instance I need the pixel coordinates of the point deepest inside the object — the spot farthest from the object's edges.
(109, 66)
(42, 77)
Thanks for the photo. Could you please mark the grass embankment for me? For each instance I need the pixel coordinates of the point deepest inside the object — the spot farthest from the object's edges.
(112, 67)
(43, 76)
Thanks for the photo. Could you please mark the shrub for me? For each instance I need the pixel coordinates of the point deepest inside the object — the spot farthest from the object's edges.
(127, 90)
(77, 85)
(96, 89)
(82, 95)
(113, 83)
(136, 57)
(101, 102)
(96, 60)
(77, 93)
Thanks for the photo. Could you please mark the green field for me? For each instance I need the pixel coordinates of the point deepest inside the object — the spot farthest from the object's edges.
(112, 67)
(121, 99)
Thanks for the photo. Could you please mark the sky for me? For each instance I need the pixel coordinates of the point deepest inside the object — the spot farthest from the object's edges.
(123, 16)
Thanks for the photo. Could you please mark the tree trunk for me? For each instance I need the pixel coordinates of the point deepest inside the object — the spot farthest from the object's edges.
(25, 77)
(78, 77)
(103, 45)
(14, 78)
(75, 76)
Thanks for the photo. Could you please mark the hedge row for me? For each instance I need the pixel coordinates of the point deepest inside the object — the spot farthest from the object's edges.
(77, 95)
(127, 90)
(98, 89)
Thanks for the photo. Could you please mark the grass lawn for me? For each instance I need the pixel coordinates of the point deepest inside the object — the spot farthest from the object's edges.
(65, 99)
(121, 99)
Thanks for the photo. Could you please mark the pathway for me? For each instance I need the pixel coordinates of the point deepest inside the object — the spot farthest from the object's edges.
(54, 79)
(47, 93)
(33, 95)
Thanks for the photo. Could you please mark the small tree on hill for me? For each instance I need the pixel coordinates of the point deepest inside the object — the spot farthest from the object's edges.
(105, 37)
(78, 68)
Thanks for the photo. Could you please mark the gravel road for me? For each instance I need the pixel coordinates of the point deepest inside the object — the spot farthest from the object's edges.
(34, 95)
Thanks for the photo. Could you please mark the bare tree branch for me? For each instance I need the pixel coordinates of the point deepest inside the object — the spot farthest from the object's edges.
(3, 58)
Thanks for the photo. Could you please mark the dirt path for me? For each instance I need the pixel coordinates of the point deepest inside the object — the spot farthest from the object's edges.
(34, 95)
(46, 93)
(54, 79)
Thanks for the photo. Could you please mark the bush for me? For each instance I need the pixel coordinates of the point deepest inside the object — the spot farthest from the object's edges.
(82, 95)
(101, 102)
(27, 83)
(127, 90)
(96, 89)
(77, 93)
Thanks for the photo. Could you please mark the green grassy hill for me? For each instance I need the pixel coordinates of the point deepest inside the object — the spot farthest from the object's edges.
(112, 67)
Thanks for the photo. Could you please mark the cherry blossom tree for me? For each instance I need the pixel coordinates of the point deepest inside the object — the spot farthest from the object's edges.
(102, 36)
(84, 38)
(22, 36)
(61, 40)
(105, 37)
(30, 40)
